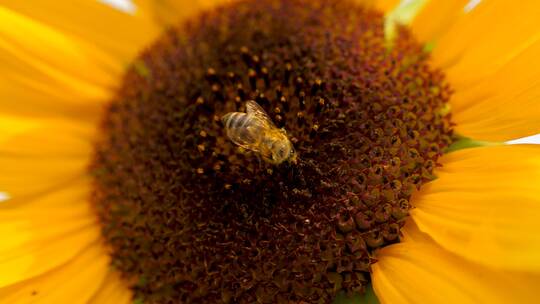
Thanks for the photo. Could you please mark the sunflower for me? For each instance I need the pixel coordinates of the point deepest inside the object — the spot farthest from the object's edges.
(118, 184)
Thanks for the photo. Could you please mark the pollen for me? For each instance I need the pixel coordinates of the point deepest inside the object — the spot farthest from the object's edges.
(192, 218)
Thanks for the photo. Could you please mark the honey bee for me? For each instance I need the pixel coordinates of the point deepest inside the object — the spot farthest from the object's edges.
(255, 131)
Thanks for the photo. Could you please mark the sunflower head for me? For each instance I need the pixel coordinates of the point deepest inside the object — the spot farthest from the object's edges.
(193, 218)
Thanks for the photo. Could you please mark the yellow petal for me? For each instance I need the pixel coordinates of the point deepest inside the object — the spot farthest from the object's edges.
(11, 126)
(44, 158)
(45, 232)
(47, 223)
(74, 282)
(119, 34)
(436, 18)
(476, 44)
(47, 72)
(485, 206)
(113, 290)
(490, 58)
(419, 271)
(505, 105)
(169, 12)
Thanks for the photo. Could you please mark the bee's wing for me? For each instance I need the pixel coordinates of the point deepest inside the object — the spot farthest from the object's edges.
(253, 108)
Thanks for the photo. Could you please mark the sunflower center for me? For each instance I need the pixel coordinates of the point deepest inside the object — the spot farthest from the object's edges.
(193, 218)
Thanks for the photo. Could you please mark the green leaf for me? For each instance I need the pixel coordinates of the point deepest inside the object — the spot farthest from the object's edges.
(467, 143)
(138, 301)
(429, 46)
(141, 68)
(367, 298)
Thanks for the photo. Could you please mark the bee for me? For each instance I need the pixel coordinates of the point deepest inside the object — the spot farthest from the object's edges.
(255, 131)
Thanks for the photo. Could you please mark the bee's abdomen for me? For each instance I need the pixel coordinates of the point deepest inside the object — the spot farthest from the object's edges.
(236, 120)
(241, 129)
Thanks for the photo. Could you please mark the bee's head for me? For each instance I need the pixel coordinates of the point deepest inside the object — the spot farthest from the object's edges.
(292, 155)
(284, 152)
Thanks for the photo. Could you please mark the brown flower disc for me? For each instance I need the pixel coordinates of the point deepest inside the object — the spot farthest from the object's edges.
(191, 218)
